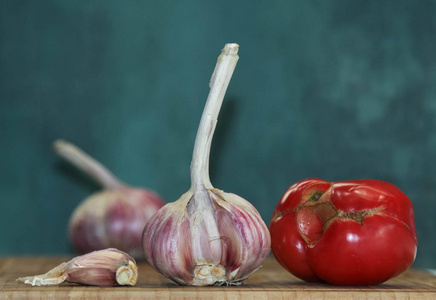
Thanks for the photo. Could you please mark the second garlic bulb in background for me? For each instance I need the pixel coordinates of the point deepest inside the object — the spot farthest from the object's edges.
(111, 218)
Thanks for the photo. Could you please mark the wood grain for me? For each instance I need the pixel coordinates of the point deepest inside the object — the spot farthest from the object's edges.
(271, 281)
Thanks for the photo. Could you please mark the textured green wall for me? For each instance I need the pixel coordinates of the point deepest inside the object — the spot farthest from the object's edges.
(331, 89)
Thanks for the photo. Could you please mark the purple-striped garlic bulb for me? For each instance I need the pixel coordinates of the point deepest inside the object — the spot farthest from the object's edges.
(208, 237)
(113, 217)
(108, 267)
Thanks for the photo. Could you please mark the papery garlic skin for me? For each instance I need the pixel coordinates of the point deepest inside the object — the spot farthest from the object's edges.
(108, 267)
(113, 217)
(244, 241)
(207, 237)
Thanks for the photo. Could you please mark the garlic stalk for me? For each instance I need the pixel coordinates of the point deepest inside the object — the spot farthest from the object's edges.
(107, 267)
(113, 217)
(207, 237)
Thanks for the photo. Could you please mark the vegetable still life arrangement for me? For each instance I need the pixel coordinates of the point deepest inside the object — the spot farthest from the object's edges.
(107, 267)
(113, 217)
(350, 233)
(207, 237)
(359, 232)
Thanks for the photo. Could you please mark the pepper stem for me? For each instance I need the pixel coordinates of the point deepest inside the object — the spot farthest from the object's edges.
(218, 85)
(87, 164)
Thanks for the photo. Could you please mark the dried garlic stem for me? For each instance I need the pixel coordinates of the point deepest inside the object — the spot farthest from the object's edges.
(218, 85)
(87, 164)
(206, 241)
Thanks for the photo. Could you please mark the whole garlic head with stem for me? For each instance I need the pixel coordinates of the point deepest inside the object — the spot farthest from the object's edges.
(208, 237)
(113, 217)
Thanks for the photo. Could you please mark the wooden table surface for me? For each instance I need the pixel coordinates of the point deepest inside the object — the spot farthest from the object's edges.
(271, 281)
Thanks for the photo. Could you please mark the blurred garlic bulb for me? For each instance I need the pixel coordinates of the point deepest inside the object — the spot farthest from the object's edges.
(114, 217)
(107, 267)
(208, 237)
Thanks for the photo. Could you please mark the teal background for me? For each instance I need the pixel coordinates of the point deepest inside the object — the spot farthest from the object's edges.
(331, 89)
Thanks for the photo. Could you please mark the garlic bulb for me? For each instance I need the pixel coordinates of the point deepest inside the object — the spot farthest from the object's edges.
(107, 267)
(207, 237)
(114, 217)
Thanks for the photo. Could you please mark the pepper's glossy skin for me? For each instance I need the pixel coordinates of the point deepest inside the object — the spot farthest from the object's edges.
(334, 246)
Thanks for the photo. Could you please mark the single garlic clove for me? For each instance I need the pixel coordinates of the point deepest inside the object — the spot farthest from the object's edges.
(248, 240)
(113, 217)
(167, 244)
(107, 267)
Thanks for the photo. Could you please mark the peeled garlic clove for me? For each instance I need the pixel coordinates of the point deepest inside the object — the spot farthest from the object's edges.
(207, 237)
(114, 217)
(107, 267)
